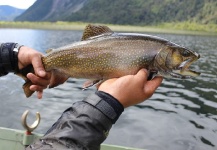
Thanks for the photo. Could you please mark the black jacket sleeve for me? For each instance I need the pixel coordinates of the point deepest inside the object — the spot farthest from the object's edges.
(84, 126)
(8, 58)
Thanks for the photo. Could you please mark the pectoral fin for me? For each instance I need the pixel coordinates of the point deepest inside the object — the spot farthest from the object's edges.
(49, 50)
(152, 74)
(90, 83)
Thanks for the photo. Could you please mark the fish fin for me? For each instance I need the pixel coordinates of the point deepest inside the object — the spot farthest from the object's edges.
(90, 83)
(22, 73)
(26, 89)
(57, 78)
(152, 74)
(49, 50)
(94, 30)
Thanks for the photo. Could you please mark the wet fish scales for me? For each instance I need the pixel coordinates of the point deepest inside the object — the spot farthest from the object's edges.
(99, 57)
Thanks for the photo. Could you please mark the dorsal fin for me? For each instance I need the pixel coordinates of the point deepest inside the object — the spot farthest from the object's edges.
(94, 30)
(48, 51)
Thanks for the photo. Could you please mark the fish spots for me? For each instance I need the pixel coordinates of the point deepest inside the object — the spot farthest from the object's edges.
(59, 59)
(103, 57)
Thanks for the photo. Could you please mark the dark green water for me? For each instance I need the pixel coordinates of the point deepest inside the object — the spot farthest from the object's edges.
(181, 115)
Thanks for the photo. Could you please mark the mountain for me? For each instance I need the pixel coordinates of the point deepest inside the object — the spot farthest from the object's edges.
(51, 10)
(133, 12)
(8, 13)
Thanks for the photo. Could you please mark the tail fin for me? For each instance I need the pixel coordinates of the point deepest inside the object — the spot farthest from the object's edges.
(22, 73)
(26, 89)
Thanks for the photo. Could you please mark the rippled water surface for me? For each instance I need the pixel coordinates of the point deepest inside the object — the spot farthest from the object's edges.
(181, 115)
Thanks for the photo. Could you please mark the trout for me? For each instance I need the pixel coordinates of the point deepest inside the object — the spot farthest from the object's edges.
(104, 54)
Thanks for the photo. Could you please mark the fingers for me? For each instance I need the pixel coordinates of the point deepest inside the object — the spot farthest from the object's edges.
(36, 88)
(38, 80)
(152, 85)
(39, 84)
(141, 76)
(38, 66)
(39, 94)
(155, 83)
(41, 78)
(147, 87)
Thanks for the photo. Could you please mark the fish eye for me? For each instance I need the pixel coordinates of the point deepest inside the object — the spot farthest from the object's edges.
(186, 53)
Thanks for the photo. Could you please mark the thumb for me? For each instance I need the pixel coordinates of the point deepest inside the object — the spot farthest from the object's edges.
(38, 66)
(142, 75)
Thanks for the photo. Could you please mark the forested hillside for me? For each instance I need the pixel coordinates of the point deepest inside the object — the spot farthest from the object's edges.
(133, 12)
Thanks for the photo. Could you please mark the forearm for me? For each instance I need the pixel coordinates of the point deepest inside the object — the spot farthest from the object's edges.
(8, 58)
(85, 125)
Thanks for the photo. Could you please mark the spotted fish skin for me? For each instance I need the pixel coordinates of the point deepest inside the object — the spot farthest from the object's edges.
(103, 57)
(104, 54)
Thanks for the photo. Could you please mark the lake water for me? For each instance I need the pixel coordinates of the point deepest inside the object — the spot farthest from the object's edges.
(181, 115)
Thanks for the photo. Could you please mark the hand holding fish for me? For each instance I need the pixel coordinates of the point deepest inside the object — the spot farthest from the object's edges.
(41, 78)
(131, 89)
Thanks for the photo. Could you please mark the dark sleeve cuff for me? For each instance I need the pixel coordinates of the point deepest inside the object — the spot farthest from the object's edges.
(107, 104)
(8, 58)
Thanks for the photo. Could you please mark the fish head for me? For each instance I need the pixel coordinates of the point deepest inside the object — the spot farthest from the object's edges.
(174, 61)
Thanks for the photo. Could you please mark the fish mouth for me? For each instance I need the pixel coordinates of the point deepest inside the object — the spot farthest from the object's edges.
(183, 70)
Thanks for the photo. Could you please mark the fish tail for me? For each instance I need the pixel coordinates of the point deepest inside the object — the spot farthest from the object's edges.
(22, 73)
(26, 89)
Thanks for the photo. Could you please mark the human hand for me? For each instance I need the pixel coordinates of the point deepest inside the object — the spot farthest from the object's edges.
(41, 78)
(131, 89)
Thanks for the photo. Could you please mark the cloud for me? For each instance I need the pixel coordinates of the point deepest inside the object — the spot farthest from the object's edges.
(23, 4)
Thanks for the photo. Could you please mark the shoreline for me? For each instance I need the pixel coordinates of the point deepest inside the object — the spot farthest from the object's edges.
(81, 25)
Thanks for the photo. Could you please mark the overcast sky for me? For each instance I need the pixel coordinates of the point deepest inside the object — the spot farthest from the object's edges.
(23, 4)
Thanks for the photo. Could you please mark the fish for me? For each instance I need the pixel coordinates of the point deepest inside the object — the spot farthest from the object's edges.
(103, 54)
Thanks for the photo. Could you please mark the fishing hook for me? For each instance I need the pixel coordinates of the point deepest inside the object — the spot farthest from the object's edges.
(34, 125)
